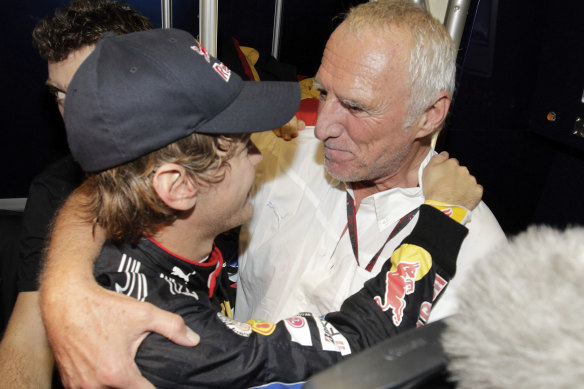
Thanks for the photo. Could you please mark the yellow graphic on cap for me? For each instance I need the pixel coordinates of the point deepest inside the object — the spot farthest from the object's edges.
(261, 327)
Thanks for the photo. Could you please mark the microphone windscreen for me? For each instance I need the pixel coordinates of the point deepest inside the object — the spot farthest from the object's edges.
(520, 320)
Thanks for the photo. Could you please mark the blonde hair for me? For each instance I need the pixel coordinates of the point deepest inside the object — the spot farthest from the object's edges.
(122, 199)
(432, 62)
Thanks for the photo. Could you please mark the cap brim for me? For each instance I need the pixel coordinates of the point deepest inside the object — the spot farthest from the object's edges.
(260, 106)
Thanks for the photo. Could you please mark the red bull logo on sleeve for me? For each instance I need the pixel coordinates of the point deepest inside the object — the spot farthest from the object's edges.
(399, 283)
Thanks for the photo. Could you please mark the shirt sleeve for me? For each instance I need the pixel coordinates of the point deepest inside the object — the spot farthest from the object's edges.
(233, 354)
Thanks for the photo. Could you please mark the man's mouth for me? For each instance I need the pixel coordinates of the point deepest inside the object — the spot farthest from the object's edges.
(336, 154)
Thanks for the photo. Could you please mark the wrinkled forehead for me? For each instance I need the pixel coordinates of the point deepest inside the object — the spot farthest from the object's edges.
(365, 59)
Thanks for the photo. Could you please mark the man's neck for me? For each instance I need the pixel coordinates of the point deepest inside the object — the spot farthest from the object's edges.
(184, 241)
(405, 177)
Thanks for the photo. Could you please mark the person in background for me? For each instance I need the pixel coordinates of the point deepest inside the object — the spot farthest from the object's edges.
(64, 41)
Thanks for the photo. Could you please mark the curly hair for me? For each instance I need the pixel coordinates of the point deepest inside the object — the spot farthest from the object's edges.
(83, 23)
(122, 200)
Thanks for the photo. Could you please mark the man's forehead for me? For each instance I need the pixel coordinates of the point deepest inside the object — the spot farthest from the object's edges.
(366, 60)
(61, 73)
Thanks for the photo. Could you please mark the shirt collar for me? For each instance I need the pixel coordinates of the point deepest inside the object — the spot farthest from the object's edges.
(392, 204)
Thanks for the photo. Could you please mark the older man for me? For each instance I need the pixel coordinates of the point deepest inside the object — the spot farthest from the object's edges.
(386, 82)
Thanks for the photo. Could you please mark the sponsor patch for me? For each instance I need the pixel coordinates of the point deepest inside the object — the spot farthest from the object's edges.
(261, 327)
(298, 329)
(439, 285)
(222, 70)
(425, 310)
(331, 339)
(241, 329)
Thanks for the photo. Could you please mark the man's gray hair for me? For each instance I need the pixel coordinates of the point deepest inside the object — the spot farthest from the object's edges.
(432, 63)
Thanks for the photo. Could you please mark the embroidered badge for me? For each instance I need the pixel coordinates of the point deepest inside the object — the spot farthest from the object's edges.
(398, 284)
(261, 327)
(222, 70)
(299, 330)
(241, 329)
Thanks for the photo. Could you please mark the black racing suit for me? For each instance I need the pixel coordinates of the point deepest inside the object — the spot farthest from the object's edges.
(240, 355)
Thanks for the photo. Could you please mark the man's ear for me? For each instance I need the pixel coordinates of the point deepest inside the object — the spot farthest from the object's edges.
(434, 116)
(175, 187)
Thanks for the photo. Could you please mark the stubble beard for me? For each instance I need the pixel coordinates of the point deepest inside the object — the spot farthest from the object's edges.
(362, 173)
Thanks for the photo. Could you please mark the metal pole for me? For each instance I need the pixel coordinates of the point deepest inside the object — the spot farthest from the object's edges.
(166, 12)
(208, 25)
(277, 28)
(422, 3)
(455, 19)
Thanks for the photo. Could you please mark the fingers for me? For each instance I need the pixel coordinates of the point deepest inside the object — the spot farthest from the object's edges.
(441, 157)
(444, 180)
(301, 125)
(290, 130)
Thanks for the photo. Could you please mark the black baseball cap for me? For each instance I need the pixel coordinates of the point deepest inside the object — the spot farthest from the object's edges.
(141, 91)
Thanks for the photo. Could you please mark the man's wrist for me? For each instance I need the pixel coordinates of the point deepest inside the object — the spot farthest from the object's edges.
(456, 212)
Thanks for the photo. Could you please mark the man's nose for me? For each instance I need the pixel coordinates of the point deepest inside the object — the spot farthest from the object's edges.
(329, 122)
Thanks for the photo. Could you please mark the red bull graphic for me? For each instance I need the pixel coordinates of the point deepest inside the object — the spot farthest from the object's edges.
(398, 284)
(202, 51)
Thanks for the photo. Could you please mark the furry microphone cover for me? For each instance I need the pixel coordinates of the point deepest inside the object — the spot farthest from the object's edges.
(521, 321)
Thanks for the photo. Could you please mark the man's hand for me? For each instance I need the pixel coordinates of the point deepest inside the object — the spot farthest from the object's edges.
(94, 333)
(290, 129)
(446, 181)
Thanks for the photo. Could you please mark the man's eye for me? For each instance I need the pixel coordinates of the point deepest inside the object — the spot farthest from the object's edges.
(58, 94)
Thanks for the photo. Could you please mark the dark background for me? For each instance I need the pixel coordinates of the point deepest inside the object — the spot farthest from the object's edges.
(523, 60)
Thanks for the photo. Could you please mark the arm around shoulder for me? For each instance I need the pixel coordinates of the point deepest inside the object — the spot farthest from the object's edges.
(78, 314)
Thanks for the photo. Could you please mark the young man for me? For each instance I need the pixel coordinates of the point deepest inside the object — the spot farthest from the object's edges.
(162, 127)
(64, 41)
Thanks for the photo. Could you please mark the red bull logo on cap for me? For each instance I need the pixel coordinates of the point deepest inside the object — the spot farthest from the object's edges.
(198, 48)
(219, 67)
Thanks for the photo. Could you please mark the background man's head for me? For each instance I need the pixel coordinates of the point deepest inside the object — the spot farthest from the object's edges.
(386, 78)
(68, 37)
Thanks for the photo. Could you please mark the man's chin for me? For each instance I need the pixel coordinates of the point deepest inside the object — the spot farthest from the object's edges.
(339, 172)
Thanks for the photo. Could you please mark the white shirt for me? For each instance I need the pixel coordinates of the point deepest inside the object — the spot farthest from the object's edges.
(295, 255)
